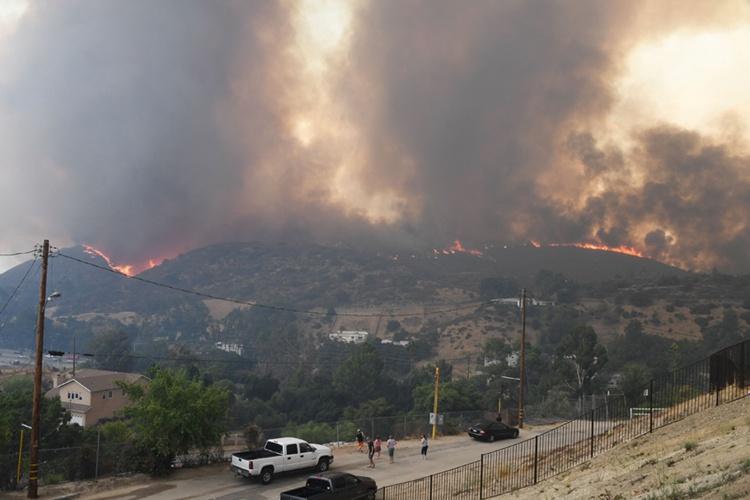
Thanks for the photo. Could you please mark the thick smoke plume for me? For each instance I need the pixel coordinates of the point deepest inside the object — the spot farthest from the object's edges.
(148, 128)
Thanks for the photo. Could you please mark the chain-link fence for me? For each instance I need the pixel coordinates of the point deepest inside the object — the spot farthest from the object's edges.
(104, 457)
(720, 378)
(344, 431)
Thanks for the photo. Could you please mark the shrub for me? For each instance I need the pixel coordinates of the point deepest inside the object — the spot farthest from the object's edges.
(690, 445)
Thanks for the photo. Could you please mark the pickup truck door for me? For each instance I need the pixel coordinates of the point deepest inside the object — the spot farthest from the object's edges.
(347, 487)
(308, 457)
(292, 460)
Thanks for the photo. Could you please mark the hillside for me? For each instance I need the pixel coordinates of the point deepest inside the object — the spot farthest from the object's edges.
(604, 289)
(703, 456)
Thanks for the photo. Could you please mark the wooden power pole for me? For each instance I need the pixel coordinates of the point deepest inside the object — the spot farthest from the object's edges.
(522, 360)
(36, 409)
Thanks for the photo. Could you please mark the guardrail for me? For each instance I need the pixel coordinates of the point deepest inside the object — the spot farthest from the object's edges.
(720, 378)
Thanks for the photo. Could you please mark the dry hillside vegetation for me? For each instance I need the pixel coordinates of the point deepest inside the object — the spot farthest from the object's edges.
(706, 455)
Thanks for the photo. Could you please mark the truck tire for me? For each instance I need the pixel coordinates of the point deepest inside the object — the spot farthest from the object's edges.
(322, 465)
(266, 475)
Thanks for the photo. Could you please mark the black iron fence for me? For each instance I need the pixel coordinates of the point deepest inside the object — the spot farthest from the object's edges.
(722, 377)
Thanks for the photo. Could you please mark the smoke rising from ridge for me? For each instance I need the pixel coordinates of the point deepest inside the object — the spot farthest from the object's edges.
(148, 129)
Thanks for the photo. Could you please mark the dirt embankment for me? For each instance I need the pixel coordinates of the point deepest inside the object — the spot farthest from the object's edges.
(706, 455)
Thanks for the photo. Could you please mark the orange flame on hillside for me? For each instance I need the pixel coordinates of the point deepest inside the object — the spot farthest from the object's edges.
(624, 249)
(457, 247)
(126, 269)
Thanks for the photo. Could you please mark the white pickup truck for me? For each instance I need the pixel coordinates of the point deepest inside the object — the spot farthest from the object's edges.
(281, 455)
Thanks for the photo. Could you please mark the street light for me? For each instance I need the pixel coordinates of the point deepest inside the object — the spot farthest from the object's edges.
(20, 453)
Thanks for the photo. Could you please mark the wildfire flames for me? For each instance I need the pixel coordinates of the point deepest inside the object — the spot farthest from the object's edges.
(624, 249)
(126, 269)
(457, 247)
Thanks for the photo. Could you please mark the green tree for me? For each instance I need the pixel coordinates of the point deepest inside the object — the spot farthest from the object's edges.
(634, 330)
(111, 351)
(359, 377)
(581, 348)
(174, 414)
(15, 409)
(634, 380)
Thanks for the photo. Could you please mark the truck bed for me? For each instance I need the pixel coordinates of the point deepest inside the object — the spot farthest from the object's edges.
(300, 493)
(255, 454)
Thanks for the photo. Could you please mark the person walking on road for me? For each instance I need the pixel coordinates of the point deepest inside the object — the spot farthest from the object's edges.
(391, 445)
(378, 445)
(371, 452)
(425, 445)
(360, 441)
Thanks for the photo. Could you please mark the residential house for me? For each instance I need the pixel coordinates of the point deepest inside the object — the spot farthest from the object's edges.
(93, 395)
(349, 336)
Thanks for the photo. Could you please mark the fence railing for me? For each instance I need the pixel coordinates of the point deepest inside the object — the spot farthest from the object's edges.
(722, 377)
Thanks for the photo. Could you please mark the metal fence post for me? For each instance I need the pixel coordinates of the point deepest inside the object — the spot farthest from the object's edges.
(651, 406)
(430, 486)
(96, 466)
(592, 433)
(536, 456)
(481, 475)
(742, 365)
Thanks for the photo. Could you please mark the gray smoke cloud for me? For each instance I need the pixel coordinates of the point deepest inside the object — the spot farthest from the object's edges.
(150, 128)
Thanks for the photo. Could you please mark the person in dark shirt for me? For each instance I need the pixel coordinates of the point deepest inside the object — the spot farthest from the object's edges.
(360, 441)
(371, 452)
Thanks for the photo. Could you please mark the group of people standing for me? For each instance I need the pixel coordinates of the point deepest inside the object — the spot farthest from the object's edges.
(374, 447)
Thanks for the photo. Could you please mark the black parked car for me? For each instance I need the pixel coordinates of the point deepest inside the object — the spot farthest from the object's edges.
(490, 431)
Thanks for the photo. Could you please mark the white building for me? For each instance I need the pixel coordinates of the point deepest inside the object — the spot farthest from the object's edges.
(400, 343)
(235, 348)
(349, 336)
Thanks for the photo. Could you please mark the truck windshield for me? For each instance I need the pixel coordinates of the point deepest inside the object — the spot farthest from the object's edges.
(274, 447)
(316, 484)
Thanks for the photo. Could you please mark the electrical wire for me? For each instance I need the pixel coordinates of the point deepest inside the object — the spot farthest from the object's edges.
(14, 254)
(456, 308)
(15, 290)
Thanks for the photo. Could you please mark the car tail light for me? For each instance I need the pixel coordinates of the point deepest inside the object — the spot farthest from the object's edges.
(481, 432)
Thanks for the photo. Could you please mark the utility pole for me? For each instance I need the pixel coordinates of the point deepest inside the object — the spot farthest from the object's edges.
(522, 361)
(435, 403)
(36, 410)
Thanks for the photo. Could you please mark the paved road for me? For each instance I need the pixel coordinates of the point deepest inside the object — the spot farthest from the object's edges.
(217, 482)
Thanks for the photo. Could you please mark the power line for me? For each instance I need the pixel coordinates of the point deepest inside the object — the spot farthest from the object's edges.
(15, 290)
(13, 254)
(460, 307)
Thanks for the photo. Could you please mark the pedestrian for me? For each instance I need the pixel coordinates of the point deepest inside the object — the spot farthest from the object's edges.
(391, 445)
(371, 452)
(378, 445)
(360, 441)
(425, 444)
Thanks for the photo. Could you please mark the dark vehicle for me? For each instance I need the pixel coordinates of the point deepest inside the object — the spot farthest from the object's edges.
(490, 431)
(334, 486)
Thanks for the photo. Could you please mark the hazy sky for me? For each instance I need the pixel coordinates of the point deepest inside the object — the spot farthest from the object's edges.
(147, 128)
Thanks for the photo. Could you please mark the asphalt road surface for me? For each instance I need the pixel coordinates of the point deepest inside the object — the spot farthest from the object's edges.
(217, 482)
